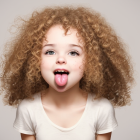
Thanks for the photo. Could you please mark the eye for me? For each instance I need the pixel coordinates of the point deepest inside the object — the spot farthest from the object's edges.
(49, 52)
(74, 53)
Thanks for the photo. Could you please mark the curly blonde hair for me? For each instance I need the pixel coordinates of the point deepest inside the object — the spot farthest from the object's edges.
(108, 71)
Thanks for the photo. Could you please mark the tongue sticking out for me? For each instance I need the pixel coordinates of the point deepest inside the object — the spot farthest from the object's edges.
(61, 80)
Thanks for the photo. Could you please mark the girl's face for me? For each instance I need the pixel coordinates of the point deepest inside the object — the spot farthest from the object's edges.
(62, 51)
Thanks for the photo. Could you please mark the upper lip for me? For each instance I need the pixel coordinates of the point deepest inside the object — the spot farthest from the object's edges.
(61, 70)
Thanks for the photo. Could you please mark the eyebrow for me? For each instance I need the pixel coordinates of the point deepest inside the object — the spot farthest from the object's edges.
(71, 45)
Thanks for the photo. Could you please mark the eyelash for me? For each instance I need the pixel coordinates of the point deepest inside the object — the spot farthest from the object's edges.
(71, 51)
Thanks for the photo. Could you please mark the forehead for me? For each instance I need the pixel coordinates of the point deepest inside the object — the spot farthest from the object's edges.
(56, 34)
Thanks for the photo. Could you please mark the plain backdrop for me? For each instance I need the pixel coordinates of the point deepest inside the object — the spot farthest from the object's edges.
(124, 17)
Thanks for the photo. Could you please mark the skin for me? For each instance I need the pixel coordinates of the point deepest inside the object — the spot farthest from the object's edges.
(62, 55)
(106, 136)
(27, 137)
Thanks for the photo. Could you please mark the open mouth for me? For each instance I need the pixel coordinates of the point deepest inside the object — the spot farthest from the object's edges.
(57, 72)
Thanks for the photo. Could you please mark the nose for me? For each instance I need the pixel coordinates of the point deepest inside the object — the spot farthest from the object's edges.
(61, 60)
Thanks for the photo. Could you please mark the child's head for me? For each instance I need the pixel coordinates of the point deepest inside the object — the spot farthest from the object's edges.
(59, 52)
(106, 69)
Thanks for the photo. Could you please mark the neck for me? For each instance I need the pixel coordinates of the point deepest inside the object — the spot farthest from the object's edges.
(71, 97)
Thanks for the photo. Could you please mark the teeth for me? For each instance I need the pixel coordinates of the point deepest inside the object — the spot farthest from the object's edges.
(60, 71)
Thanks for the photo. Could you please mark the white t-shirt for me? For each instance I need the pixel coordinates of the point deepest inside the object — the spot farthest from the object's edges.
(98, 117)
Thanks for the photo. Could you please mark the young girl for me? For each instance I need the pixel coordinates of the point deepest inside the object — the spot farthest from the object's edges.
(66, 70)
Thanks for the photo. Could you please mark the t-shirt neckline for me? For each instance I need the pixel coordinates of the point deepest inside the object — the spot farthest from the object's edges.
(59, 127)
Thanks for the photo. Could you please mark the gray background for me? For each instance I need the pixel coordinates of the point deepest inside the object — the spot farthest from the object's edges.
(123, 15)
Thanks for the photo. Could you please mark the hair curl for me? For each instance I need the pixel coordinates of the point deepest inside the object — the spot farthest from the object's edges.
(108, 71)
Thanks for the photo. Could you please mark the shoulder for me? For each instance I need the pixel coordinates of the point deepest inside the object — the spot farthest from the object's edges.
(104, 115)
(104, 108)
(101, 106)
(28, 104)
(26, 115)
(101, 102)
(105, 103)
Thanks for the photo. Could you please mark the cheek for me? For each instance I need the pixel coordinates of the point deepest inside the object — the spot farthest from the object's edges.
(45, 64)
(78, 66)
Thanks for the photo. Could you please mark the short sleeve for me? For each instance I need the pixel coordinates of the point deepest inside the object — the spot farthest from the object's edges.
(106, 121)
(23, 122)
